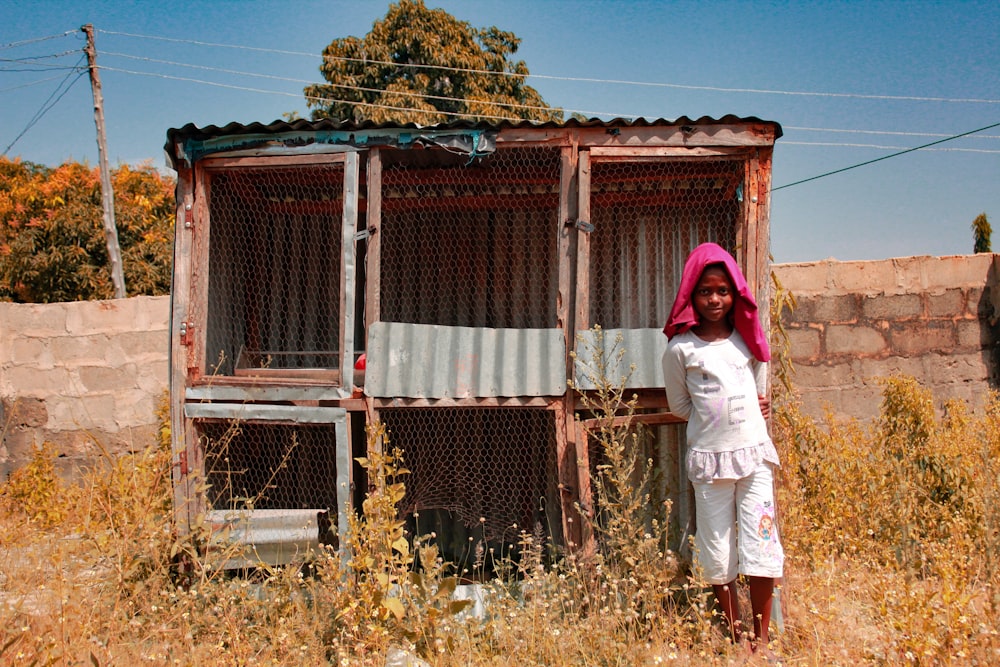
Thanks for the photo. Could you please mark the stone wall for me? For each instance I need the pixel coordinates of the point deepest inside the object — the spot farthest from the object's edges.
(87, 376)
(933, 318)
(84, 376)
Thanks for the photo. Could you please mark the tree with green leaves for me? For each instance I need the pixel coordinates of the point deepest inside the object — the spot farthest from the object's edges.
(424, 66)
(981, 233)
(52, 243)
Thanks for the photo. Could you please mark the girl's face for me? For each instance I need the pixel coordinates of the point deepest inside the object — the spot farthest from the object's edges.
(713, 295)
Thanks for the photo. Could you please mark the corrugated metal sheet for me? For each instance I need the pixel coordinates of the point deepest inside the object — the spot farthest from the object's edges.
(224, 393)
(430, 361)
(291, 413)
(276, 537)
(642, 347)
(198, 141)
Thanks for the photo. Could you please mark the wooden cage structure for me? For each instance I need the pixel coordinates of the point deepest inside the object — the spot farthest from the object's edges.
(446, 281)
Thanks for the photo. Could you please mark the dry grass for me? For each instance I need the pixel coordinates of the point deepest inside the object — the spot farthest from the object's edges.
(891, 530)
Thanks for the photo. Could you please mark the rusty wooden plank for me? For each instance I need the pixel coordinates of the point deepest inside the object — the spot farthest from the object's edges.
(640, 153)
(751, 242)
(578, 521)
(182, 439)
(567, 480)
(689, 135)
(585, 497)
(693, 134)
(567, 473)
(764, 235)
(197, 314)
(658, 419)
(480, 202)
(583, 215)
(296, 160)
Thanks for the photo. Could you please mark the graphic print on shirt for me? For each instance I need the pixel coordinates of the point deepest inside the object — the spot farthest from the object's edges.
(716, 405)
(737, 410)
(767, 531)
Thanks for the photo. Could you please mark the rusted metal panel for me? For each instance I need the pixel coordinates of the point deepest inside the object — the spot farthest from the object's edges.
(431, 361)
(642, 348)
(247, 538)
(190, 143)
(352, 190)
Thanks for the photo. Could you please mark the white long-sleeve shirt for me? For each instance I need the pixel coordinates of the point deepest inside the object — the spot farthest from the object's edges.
(715, 386)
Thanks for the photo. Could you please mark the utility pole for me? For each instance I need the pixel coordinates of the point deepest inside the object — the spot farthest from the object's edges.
(107, 193)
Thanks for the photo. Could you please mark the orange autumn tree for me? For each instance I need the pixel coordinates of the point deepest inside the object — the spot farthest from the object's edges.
(52, 243)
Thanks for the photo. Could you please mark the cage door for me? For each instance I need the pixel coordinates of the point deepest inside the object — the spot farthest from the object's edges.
(640, 216)
(279, 297)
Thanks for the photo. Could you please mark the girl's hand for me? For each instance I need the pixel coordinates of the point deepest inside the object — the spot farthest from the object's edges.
(765, 406)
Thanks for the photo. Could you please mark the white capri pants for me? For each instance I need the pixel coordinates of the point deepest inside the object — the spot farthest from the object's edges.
(736, 529)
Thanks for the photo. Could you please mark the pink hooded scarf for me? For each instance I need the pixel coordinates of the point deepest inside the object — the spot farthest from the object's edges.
(744, 312)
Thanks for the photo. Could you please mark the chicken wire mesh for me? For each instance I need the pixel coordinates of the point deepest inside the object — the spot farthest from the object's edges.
(492, 469)
(647, 217)
(274, 268)
(470, 243)
(259, 465)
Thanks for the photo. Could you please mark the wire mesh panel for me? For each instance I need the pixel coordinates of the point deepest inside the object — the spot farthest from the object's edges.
(470, 243)
(647, 217)
(274, 268)
(491, 468)
(254, 465)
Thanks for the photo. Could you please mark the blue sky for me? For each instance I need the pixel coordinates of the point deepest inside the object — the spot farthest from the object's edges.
(850, 82)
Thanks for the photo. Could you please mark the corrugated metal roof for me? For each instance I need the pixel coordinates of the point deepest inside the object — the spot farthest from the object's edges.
(191, 132)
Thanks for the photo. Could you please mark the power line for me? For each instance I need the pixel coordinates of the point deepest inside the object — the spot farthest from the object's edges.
(37, 68)
(35, 40)
(884, 157)
(28, 85)
(760, 91)
(46, 56)
(299, 95)
(47, 105)
(35, 64)
(423, 96)
(835, 144)
(881, 132)
(517, 106)
(507, 105)
(511, 105)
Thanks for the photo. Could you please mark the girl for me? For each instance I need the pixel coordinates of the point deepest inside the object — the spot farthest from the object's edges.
(716, 377)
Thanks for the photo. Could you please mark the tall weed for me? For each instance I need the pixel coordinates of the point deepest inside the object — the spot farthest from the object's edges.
(904, 506)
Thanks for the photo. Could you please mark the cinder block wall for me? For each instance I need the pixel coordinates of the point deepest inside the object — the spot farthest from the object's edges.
(934, 318)
(88, 375)
(83, 376)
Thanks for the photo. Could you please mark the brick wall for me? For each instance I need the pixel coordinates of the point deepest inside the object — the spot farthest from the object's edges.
(88, 375)
(83, 376)
(934, 318)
